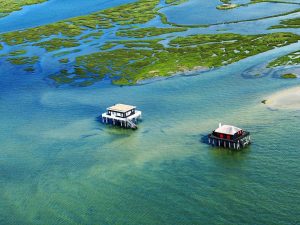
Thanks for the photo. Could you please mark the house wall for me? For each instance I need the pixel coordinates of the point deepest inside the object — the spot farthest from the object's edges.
(120, 114)
(227, 136)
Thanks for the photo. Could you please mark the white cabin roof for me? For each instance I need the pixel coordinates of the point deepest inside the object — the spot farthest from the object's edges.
(121, 108)
(227, 129)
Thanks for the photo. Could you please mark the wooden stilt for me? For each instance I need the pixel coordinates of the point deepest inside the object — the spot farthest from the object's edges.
(237, 143)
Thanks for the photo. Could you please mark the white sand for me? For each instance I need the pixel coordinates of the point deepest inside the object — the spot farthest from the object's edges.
(287, 99)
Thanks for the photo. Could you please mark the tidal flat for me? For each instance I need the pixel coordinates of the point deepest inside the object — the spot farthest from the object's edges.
(289, 59)
(287, 23)
(8, 6)
(285, 99)
(150, 58)
(130, 65)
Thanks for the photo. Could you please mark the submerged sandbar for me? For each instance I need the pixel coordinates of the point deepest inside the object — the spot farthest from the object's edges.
(286, 99)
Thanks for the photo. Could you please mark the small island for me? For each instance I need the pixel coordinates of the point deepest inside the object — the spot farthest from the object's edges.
(135, 52)
(290, 59)
(289, 76)
(9, 6)
(227, 6)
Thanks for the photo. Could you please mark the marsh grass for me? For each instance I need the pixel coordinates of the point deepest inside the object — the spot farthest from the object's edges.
(289, 76)
(139, 60)
(148, 32)
(23, 60)
(289, 59)
(57, 43)
(8, 6)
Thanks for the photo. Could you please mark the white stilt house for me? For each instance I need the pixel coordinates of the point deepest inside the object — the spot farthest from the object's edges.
(122, 115)
(228, 136)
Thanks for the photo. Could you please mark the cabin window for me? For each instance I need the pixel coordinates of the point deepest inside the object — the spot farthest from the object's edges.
(221, 135)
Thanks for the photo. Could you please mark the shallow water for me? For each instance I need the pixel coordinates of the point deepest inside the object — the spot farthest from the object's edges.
(53, 11)
(195, 12)
(59, 165)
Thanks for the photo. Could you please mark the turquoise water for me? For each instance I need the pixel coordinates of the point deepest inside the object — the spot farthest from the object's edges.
(59, 165)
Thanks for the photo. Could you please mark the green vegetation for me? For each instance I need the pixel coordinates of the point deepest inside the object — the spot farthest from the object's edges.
(23, 60)
(290, 59)
(8, 6)
(133, 13)
(57, 43)
(148, 32)
(29, 69)
(96, 35)
(290, 23)
(151, 44)
(135, 60)
(274, 1)
(129, 65)
(163, 18)
(227, 6)
(289, 76)
(38, 33)
(65, 60)
(62, 77)
(138, 12)
(66, 52)
(107, 46)
(18, 52)
(175, 2)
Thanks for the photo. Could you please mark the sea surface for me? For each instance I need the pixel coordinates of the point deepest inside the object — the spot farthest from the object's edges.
(60, 165)
(52, 11)
(196, 12)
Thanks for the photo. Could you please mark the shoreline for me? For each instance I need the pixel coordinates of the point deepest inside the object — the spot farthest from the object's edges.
(191, 72)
